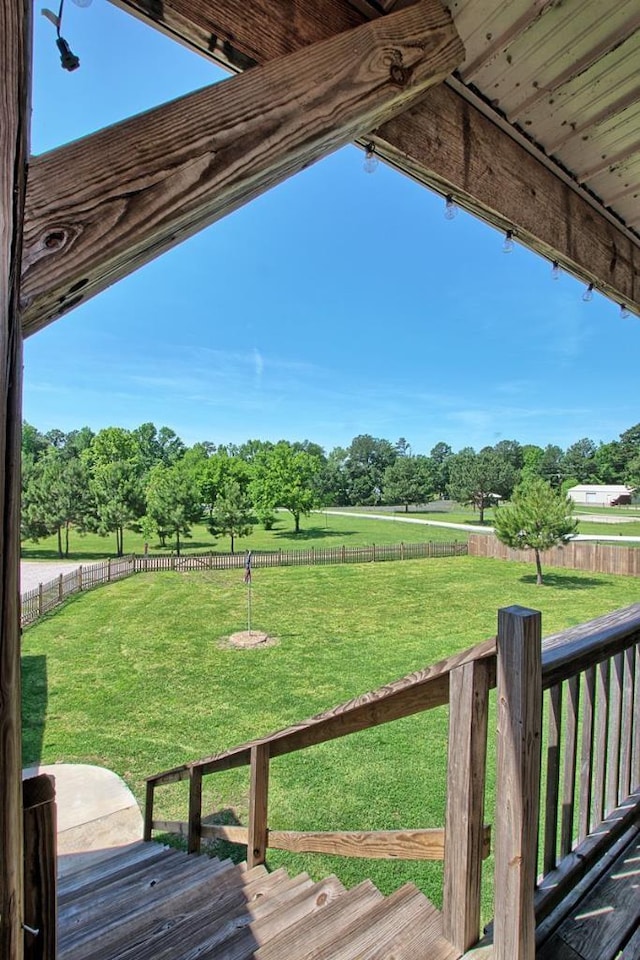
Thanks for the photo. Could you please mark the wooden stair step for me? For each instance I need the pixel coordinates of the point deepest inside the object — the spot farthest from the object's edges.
(323, 926)
(117, 893)
(119, 873)
(117, 864)
(98, 942)
(275, 916)
(632, 949)
(209, 924)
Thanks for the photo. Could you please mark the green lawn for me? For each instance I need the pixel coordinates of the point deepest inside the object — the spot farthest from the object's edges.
(132, 676)
(319, 530)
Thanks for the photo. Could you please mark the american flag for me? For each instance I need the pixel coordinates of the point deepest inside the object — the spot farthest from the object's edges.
(247, 568)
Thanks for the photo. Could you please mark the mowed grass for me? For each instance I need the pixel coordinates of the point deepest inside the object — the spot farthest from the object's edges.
(133, 677)
(318, 530)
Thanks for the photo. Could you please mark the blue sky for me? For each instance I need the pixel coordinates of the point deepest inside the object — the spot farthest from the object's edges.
(339, 303)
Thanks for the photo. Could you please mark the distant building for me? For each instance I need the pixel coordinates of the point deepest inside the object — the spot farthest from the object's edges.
(601, 495)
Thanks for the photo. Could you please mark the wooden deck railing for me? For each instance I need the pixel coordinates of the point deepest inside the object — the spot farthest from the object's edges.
(592, 770)
(463, 681)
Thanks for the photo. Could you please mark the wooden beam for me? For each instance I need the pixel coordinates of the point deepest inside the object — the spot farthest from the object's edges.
(446, 143)
(15, 52)
(101, 207)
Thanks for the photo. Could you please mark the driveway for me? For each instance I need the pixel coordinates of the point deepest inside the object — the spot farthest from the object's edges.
(33, 572)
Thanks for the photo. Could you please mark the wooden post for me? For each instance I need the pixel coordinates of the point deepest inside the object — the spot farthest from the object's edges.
(258, 803)
(40, 895)
(40, 600)
(195, 810)
(148, 811)
(15, 53)
(60, 590)
(80, 577)
(468, 713)
(519, 683)
(109, 569)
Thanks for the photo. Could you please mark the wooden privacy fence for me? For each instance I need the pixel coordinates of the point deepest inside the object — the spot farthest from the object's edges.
(576, 554)
(46, 596)
(590, 799)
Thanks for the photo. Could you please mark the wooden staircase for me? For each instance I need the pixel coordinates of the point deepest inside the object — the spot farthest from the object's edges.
(149, 902)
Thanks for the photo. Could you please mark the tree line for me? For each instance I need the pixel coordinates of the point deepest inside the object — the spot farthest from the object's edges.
(148, 479)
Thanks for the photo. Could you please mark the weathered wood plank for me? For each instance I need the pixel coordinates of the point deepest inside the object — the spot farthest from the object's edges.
(101, 207)
(258, 805)
(15, 53)
(466, 774)
(570, 760)
(615, 731)
(553, 887)
(586, 752)
(601, 923)
(624, 786)
(413, 693)
(519, 683)
(635, 740)
(601, 757)
(574, 650)
(446, 142)
(550, 844)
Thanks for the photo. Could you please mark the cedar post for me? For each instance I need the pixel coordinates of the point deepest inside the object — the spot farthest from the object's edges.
(464, 830)
(40, 898)
(519, 683)
(15, 53)
(258, 802)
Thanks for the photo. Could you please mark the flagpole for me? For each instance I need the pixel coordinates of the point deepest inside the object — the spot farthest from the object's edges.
(247, 580)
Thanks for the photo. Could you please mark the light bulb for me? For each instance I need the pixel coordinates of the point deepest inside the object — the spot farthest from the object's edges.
(587, 296)
(555, 270)
(450, 209)
(507, 246)
(370, 164)
(624, 311)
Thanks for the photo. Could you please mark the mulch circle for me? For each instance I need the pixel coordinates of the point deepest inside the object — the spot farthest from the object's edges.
(247, 639)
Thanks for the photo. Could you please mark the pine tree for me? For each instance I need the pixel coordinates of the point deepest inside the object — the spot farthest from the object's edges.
(536, 519)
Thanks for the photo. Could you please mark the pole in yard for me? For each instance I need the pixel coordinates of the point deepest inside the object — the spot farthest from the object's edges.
(247, 580)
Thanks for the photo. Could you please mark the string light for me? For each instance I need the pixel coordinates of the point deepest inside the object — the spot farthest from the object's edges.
(371, 162)
(450, 209)
(624, 311)
(555, 270)
(587, 296)
(507, 246)
(68, 59)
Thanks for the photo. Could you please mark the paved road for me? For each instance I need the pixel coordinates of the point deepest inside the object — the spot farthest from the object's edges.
(33, 572)
(467, 526)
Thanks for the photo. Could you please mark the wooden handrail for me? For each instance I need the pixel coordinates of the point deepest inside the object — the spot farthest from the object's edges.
(572, 651)
(413, 693)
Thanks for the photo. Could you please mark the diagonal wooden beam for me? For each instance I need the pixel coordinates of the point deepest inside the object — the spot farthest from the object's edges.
(446, 142)
(101, 207)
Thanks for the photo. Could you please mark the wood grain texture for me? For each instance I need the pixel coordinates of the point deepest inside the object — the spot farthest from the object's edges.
(466, 775)
(258, 805)
(570, 762)
(101, 207)
(600, 743)
(411, 694)
(550, 843)
(624, 786)
(586, 751)
(40, 868)
(15, 52)
(519, 683)
(195, 811)
(615, 729)
(446, 142)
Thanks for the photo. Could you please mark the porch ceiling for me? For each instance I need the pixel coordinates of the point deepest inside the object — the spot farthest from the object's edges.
(538, 131)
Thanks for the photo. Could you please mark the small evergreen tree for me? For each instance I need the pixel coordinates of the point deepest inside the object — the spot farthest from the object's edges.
(536, 519)
(231, 513)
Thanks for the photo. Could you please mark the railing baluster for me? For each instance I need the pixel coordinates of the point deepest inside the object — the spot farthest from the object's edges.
(570, 759)
(624, 784)
(586, 752)
(466, 771)
(553, 779)
(519, 681)
(602, 726)
(635, 743)
(258, 804)
(148, 810)
(195, 810)
(615, 720)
